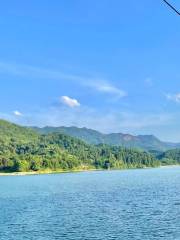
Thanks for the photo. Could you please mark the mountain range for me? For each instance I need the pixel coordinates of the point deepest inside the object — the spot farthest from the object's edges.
(144, 142)
(23, 149)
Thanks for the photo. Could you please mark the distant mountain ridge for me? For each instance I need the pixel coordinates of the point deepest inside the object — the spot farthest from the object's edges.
(145, 142)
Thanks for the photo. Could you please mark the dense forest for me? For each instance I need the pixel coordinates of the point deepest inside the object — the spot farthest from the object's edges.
(170, 157)
(23, 149)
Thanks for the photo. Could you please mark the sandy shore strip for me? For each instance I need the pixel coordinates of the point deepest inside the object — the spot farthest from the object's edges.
(46, 172)
(72, 171)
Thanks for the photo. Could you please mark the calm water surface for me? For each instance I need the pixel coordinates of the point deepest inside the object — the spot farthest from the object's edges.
(132, 204)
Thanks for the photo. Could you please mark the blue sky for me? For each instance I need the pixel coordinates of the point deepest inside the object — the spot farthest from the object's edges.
(107, 65)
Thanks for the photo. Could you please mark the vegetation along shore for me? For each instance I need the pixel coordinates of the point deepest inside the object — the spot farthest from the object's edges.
(27, 151)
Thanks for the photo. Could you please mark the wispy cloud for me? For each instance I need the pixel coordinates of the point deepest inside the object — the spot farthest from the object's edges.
(35, 72)
(173, 97)
(106, 87)
(97, 84)
(70, 102)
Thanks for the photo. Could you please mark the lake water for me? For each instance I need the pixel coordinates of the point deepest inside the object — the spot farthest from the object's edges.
(130, 204)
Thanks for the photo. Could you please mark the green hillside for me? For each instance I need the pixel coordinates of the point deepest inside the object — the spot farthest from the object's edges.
(23, 149)
(13, 132)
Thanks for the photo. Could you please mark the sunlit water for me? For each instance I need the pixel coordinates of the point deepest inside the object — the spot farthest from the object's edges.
(132, 204)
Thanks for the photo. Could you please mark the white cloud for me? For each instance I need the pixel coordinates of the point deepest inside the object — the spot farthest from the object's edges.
(17, 113)
(106, 87)
(173, 97)
(70, 102)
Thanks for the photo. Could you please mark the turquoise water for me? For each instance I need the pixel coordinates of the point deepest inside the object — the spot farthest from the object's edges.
(132, 204)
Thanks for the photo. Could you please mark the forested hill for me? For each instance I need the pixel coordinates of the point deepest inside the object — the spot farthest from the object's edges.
(145, 142)
(170, 157)
(23, 149)
(13, 132)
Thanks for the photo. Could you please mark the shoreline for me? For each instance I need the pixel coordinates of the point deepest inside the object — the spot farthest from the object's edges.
(75, 171)
(46, 172)
(170, 166)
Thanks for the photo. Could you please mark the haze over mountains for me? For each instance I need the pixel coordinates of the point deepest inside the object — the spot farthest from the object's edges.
(145, 142)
